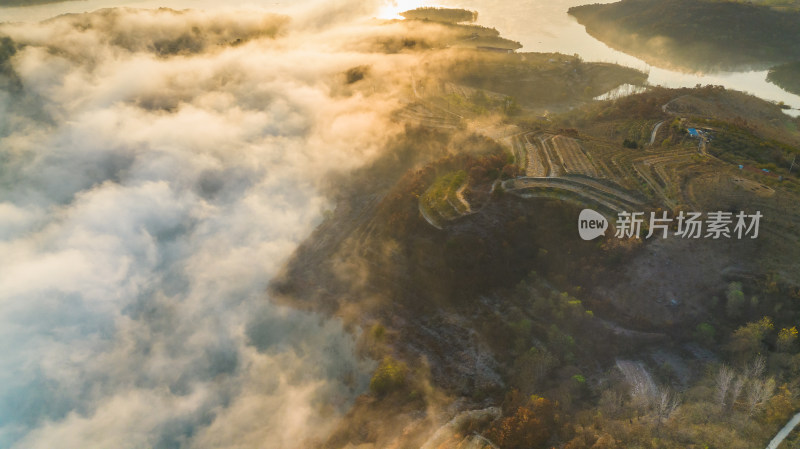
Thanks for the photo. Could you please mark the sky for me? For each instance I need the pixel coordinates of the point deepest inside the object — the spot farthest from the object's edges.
(147, 197)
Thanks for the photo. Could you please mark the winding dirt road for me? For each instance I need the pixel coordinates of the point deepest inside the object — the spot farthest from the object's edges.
(655, 131)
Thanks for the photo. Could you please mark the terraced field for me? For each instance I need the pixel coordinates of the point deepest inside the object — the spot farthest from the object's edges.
(536, 163)
(556, 155)
(662, 173)
(444, 200)
(755, 187)
(635, 130)
(548, 154)
(423, 115)
(591, 167)
(780, 210)
(609, 197)
(572, 157)
(559, 166)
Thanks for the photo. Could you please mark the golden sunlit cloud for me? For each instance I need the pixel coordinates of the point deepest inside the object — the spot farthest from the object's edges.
(392, 8)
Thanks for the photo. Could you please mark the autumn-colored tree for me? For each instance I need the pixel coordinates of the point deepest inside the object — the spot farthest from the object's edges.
(787, 338)
(780, 407)
(390, 375)
(589, 438)
(747, 340)
(530, 426)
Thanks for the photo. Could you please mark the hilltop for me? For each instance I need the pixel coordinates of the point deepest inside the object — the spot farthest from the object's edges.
(458, 254)
(787, 76)
(696, 35)
(456, 260)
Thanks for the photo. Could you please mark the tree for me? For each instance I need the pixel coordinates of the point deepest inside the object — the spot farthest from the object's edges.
(723, 381)
(780, 406)
(756, 368)
(532, 367)
(735, 297)
(705, 333)
(665, 405)
(736, 390)
(390, 375)
(611, 403)
(510, 106)
(746, 341)
(787, 338)
(530, 426)
(632, 144)
(759, 394)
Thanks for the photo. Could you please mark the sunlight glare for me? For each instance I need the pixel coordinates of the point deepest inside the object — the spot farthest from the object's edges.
(391, 9)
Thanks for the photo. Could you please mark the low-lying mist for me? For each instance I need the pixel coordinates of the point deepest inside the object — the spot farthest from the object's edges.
(157, 168)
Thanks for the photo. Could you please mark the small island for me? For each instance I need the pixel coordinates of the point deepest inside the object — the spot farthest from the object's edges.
(447, 15)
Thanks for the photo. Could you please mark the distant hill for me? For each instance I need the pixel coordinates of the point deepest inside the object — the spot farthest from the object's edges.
(776, 4)
(696, 35)
(457, 21)
(449, 15)
(11, 3)
(786, 76)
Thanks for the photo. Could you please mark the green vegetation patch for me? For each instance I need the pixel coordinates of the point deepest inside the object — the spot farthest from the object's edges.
(739, 145)
(480, 103)
(389, 377)
(540, 78)
(442, 198)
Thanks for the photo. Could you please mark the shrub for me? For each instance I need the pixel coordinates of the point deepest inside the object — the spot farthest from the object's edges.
(529, 427)
(627, 143)
(786, 338)
(389, 377)
(747, 340)
(735, 297)
(705, 333)
(378, 332)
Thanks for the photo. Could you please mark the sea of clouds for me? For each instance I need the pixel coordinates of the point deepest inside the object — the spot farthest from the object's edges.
(156, 169)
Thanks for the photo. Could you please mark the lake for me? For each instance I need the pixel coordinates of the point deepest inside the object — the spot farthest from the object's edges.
(545, 26)
(540, 25)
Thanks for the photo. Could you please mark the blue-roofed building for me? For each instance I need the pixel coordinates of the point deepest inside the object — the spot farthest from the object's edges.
(693, 132)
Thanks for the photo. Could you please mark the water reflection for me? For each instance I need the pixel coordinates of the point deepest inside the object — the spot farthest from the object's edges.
(545, 26)
(540, 25)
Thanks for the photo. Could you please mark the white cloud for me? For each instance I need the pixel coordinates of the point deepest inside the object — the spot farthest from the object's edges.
(145, 202)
